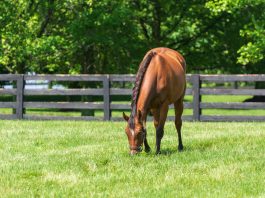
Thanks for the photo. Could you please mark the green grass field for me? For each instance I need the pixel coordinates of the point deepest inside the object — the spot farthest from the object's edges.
(90, 159)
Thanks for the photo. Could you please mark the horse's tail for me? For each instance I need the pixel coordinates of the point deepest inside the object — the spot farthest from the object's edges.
(140, 76)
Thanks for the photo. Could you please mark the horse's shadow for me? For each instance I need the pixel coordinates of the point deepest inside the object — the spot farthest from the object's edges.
(201, 147)
(170, 151)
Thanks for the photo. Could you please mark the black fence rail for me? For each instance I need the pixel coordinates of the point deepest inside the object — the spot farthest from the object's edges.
(106, 89)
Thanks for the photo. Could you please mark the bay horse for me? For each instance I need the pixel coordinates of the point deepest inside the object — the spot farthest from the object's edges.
(160, 81)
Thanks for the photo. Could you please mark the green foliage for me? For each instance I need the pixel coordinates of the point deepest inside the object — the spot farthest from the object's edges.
(73, 36)
(250, 15)
(104, 37)
(254, 50)
(81, 159)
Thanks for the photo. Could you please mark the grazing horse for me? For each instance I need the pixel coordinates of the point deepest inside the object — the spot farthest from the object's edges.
(160, 81)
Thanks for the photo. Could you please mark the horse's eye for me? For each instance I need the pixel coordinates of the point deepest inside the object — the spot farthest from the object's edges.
(141, 134)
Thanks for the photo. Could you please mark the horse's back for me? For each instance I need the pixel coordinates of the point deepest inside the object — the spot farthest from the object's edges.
(176, 58)
(169, 67)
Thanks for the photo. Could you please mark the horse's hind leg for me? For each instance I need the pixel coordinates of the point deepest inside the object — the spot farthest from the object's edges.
(178, 122)
(160, 127)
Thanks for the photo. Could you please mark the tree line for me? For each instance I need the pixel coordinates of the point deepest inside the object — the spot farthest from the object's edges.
(106, 36)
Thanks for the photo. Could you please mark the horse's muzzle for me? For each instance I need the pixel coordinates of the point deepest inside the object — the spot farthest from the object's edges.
(135, 149)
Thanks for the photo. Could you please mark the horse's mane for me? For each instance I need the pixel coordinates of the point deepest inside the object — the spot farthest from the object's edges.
(137, 86)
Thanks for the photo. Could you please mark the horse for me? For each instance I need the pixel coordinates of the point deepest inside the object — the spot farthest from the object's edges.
(160, 81)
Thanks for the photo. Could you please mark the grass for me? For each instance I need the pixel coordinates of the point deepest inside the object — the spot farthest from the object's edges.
(90, 159)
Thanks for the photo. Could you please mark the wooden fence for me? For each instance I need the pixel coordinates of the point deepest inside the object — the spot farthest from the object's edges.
(107, 90)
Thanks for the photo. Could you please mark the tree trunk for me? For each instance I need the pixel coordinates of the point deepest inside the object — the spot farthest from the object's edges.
(156, 29)
(88, 68)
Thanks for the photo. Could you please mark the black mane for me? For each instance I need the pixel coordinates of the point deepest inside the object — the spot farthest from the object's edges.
(137, 86)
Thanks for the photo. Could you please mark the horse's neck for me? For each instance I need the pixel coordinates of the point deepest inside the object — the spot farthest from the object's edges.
(144, 101)
(147, 91)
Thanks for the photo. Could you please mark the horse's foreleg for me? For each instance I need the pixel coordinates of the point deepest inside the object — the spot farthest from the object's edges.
(160, 127)
(155, 113)
(147, 148)
(178, 122)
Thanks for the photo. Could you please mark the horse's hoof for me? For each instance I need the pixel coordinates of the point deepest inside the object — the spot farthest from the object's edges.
(147, 150)
(158, 152)
(180, 148)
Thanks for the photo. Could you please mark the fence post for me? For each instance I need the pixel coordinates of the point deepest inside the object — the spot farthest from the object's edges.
(20, 93)
(196, 83)
(106, 87)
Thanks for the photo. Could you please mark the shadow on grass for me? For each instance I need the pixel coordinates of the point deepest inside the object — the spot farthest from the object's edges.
(202, 146)
(171, 151)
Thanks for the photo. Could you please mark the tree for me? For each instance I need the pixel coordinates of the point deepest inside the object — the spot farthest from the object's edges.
(26, 43)
(111, 37)
(250, 57)
(104, 36)
(251, 27)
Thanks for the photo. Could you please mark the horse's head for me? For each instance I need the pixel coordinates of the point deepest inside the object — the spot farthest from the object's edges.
(135, 132)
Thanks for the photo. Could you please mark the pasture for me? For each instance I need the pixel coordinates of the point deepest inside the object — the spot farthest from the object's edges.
(90, 159)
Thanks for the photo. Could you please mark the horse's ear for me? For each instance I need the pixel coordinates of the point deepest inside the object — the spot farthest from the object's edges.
(125, 117)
